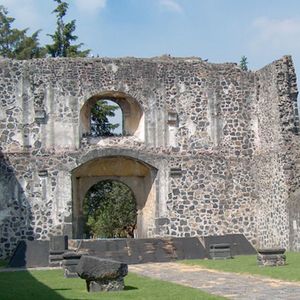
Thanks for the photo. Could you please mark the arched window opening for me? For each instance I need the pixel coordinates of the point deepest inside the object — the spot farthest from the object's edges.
(110, 211)
(106, 119)
(128, 114)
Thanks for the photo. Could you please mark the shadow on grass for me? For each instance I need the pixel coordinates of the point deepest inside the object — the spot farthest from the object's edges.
(22, 285)
(130, 288)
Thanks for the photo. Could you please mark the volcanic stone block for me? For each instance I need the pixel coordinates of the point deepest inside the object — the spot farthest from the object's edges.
(102, 274)
(134, 251)
(30, 254)
(189, 248)
(58, 243)
(115, 249)
(70, 262)
(239, 245)
(271, 257)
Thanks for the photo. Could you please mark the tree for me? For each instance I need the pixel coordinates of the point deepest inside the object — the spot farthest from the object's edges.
(64, 35)
(29, 48)
(244, 63)
(100, 125)
(110, 210)
(14, 43)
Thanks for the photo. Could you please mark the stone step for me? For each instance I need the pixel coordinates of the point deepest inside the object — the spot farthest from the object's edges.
(70, 262)
(55, 264)
(56, 252)
(55, 257)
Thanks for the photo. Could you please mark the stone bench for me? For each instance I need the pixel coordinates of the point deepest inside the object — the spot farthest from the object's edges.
(271, 257)
(220, 251)
(102, 274)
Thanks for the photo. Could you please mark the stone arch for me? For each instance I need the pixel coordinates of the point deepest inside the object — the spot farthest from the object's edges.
(138, 175)
(145, 158)
(133, 115)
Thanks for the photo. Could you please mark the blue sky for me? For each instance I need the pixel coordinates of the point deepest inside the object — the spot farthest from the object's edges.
(217, 30)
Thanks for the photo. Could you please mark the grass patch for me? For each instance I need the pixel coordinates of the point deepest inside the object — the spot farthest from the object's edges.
(50, 285)
(247, 264)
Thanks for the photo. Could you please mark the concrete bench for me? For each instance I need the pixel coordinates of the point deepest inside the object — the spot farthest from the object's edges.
(220, 251)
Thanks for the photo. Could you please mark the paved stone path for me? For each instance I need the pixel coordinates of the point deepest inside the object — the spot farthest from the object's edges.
(229, 285)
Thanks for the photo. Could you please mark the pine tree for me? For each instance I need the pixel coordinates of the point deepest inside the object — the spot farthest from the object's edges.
(14, 43)
(100, 125)
(29, 48)
(64, 35)
(244, 63)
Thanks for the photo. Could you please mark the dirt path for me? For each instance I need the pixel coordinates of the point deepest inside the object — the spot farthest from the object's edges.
(230, 285)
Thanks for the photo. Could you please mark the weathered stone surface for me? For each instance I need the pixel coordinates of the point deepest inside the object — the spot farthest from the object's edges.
(70, 262)
(207, 148)
(220, 251)
(58, 243)
(271, 257)
(102, 274)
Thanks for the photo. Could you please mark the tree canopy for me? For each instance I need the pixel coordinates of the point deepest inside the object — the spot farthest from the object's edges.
(100, 124)
(64, 35)
(14, 43)
(17, 44)
(110, 210)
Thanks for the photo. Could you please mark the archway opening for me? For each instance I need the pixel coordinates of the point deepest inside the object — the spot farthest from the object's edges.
(137, 175)
(109, 208)
(106, 119)
(132, 120)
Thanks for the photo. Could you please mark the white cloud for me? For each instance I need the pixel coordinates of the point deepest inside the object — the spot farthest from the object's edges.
(171, 5)
(276, 34)
(25, 12)
(90, 6)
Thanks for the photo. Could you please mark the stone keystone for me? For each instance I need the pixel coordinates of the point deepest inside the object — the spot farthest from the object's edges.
(102, 274)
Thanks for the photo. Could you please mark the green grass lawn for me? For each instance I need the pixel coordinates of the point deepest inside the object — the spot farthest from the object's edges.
(51, 285)
(248, 264)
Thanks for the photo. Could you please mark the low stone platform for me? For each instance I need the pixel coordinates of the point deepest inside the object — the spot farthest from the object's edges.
(131, 251)
(135, 251)
(272, 257)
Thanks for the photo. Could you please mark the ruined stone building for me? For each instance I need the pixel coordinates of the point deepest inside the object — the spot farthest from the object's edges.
(206, 148)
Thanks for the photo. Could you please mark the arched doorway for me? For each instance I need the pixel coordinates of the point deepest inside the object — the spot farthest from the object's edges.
(137, 175)
(109, 208)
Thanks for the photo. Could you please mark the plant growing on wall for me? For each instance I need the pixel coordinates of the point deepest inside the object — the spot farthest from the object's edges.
(110, 210)
(244, 63)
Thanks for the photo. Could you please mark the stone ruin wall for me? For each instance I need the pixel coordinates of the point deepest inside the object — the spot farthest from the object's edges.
(224, 142)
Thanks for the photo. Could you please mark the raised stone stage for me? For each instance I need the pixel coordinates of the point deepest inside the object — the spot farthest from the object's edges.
(130, 251)
(135, 251)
